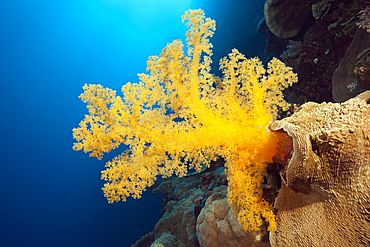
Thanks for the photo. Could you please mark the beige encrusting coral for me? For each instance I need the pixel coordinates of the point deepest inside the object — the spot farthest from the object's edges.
(325, 196)
(218, 226)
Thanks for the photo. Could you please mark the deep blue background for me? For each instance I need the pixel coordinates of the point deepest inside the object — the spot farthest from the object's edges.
(50, 195)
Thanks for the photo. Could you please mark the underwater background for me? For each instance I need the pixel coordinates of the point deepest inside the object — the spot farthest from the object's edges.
(51, 195)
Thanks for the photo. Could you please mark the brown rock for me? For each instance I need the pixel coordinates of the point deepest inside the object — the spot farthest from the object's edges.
(286, 18)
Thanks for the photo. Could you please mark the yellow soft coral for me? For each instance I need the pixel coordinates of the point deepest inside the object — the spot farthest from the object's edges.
(179, 117)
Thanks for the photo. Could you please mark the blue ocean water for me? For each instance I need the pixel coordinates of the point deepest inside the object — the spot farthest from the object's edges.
(50, 194)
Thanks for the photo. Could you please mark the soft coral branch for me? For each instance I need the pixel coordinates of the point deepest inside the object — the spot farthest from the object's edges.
(364, 18)
(176, 119)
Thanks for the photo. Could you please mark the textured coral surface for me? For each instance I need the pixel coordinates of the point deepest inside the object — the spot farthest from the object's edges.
(217, 225)
(324, 200)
